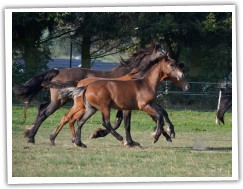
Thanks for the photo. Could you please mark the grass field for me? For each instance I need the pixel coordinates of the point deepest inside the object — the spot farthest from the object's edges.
(201, 148)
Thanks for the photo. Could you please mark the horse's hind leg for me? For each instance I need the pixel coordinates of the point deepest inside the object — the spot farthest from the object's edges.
(106, 120)
(40, 108)
(103, 132)
(127, 124)
(45, 110)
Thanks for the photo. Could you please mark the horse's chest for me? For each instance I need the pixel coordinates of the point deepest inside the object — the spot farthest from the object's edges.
(145, 98)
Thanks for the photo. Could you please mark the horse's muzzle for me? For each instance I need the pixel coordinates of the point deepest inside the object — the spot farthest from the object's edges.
(186, 88)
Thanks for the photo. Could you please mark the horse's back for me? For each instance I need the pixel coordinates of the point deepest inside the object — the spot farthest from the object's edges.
(71, 74)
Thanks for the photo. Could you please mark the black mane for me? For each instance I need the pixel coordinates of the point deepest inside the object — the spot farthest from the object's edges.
(143, 68)
(135, 60)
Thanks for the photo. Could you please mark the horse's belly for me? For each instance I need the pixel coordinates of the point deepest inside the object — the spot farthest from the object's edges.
(125, 104)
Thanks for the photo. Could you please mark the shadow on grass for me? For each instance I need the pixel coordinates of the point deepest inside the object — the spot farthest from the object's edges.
(219, 149)
(205, 149)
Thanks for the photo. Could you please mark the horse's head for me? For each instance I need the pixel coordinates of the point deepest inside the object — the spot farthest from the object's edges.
(174, 73)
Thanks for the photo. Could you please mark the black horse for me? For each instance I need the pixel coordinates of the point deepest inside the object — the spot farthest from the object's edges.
(224, 103)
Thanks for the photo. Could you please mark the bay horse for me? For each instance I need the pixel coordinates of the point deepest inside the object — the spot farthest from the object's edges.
(78, 108)
(135, 94)
(224, 103)
(27, 91)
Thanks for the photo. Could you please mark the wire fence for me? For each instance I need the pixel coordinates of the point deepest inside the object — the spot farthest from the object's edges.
(202, 96)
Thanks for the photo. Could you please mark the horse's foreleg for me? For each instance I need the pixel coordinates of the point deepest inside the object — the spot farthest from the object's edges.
(44, 111)
(78, 115)
(88, 113)
(170, 125)
(155, 114)
(53, 136)
(70, 117)
(166, 117)
(72, 130)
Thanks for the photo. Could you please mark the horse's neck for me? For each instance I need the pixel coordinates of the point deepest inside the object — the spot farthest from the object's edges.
(153, 77)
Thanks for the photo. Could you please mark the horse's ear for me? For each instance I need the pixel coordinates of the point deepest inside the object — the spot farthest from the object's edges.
(154, 45)
(181, 65)
(167, 54)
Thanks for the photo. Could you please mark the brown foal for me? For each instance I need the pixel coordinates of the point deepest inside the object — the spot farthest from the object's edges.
(135, 94)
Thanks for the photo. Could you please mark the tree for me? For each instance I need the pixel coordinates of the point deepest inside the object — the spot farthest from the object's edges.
(202, 40)
(101, 34)
(27, 33)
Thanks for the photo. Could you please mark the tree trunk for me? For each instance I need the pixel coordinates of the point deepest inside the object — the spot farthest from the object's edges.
(85, 50)
(29, 53)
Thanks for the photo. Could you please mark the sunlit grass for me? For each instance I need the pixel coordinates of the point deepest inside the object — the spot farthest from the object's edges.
(201, 148)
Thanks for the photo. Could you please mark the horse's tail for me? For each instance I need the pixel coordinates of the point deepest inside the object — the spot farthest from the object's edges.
(28, 90)
(225, 103)
(71, 92)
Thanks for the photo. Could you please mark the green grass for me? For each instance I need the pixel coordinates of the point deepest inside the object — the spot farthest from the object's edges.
(107, 157)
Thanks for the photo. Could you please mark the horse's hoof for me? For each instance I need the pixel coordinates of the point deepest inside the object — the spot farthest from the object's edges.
(172, 135)
(26, 133)
(73, 140)
(81, 145)
(52, 142)
(99, 133)
(169, 139)
(31, 142)
(52, 139)
(156, 137)
(133, 144)
(123, 142)
(96, 133)
(155, 140)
